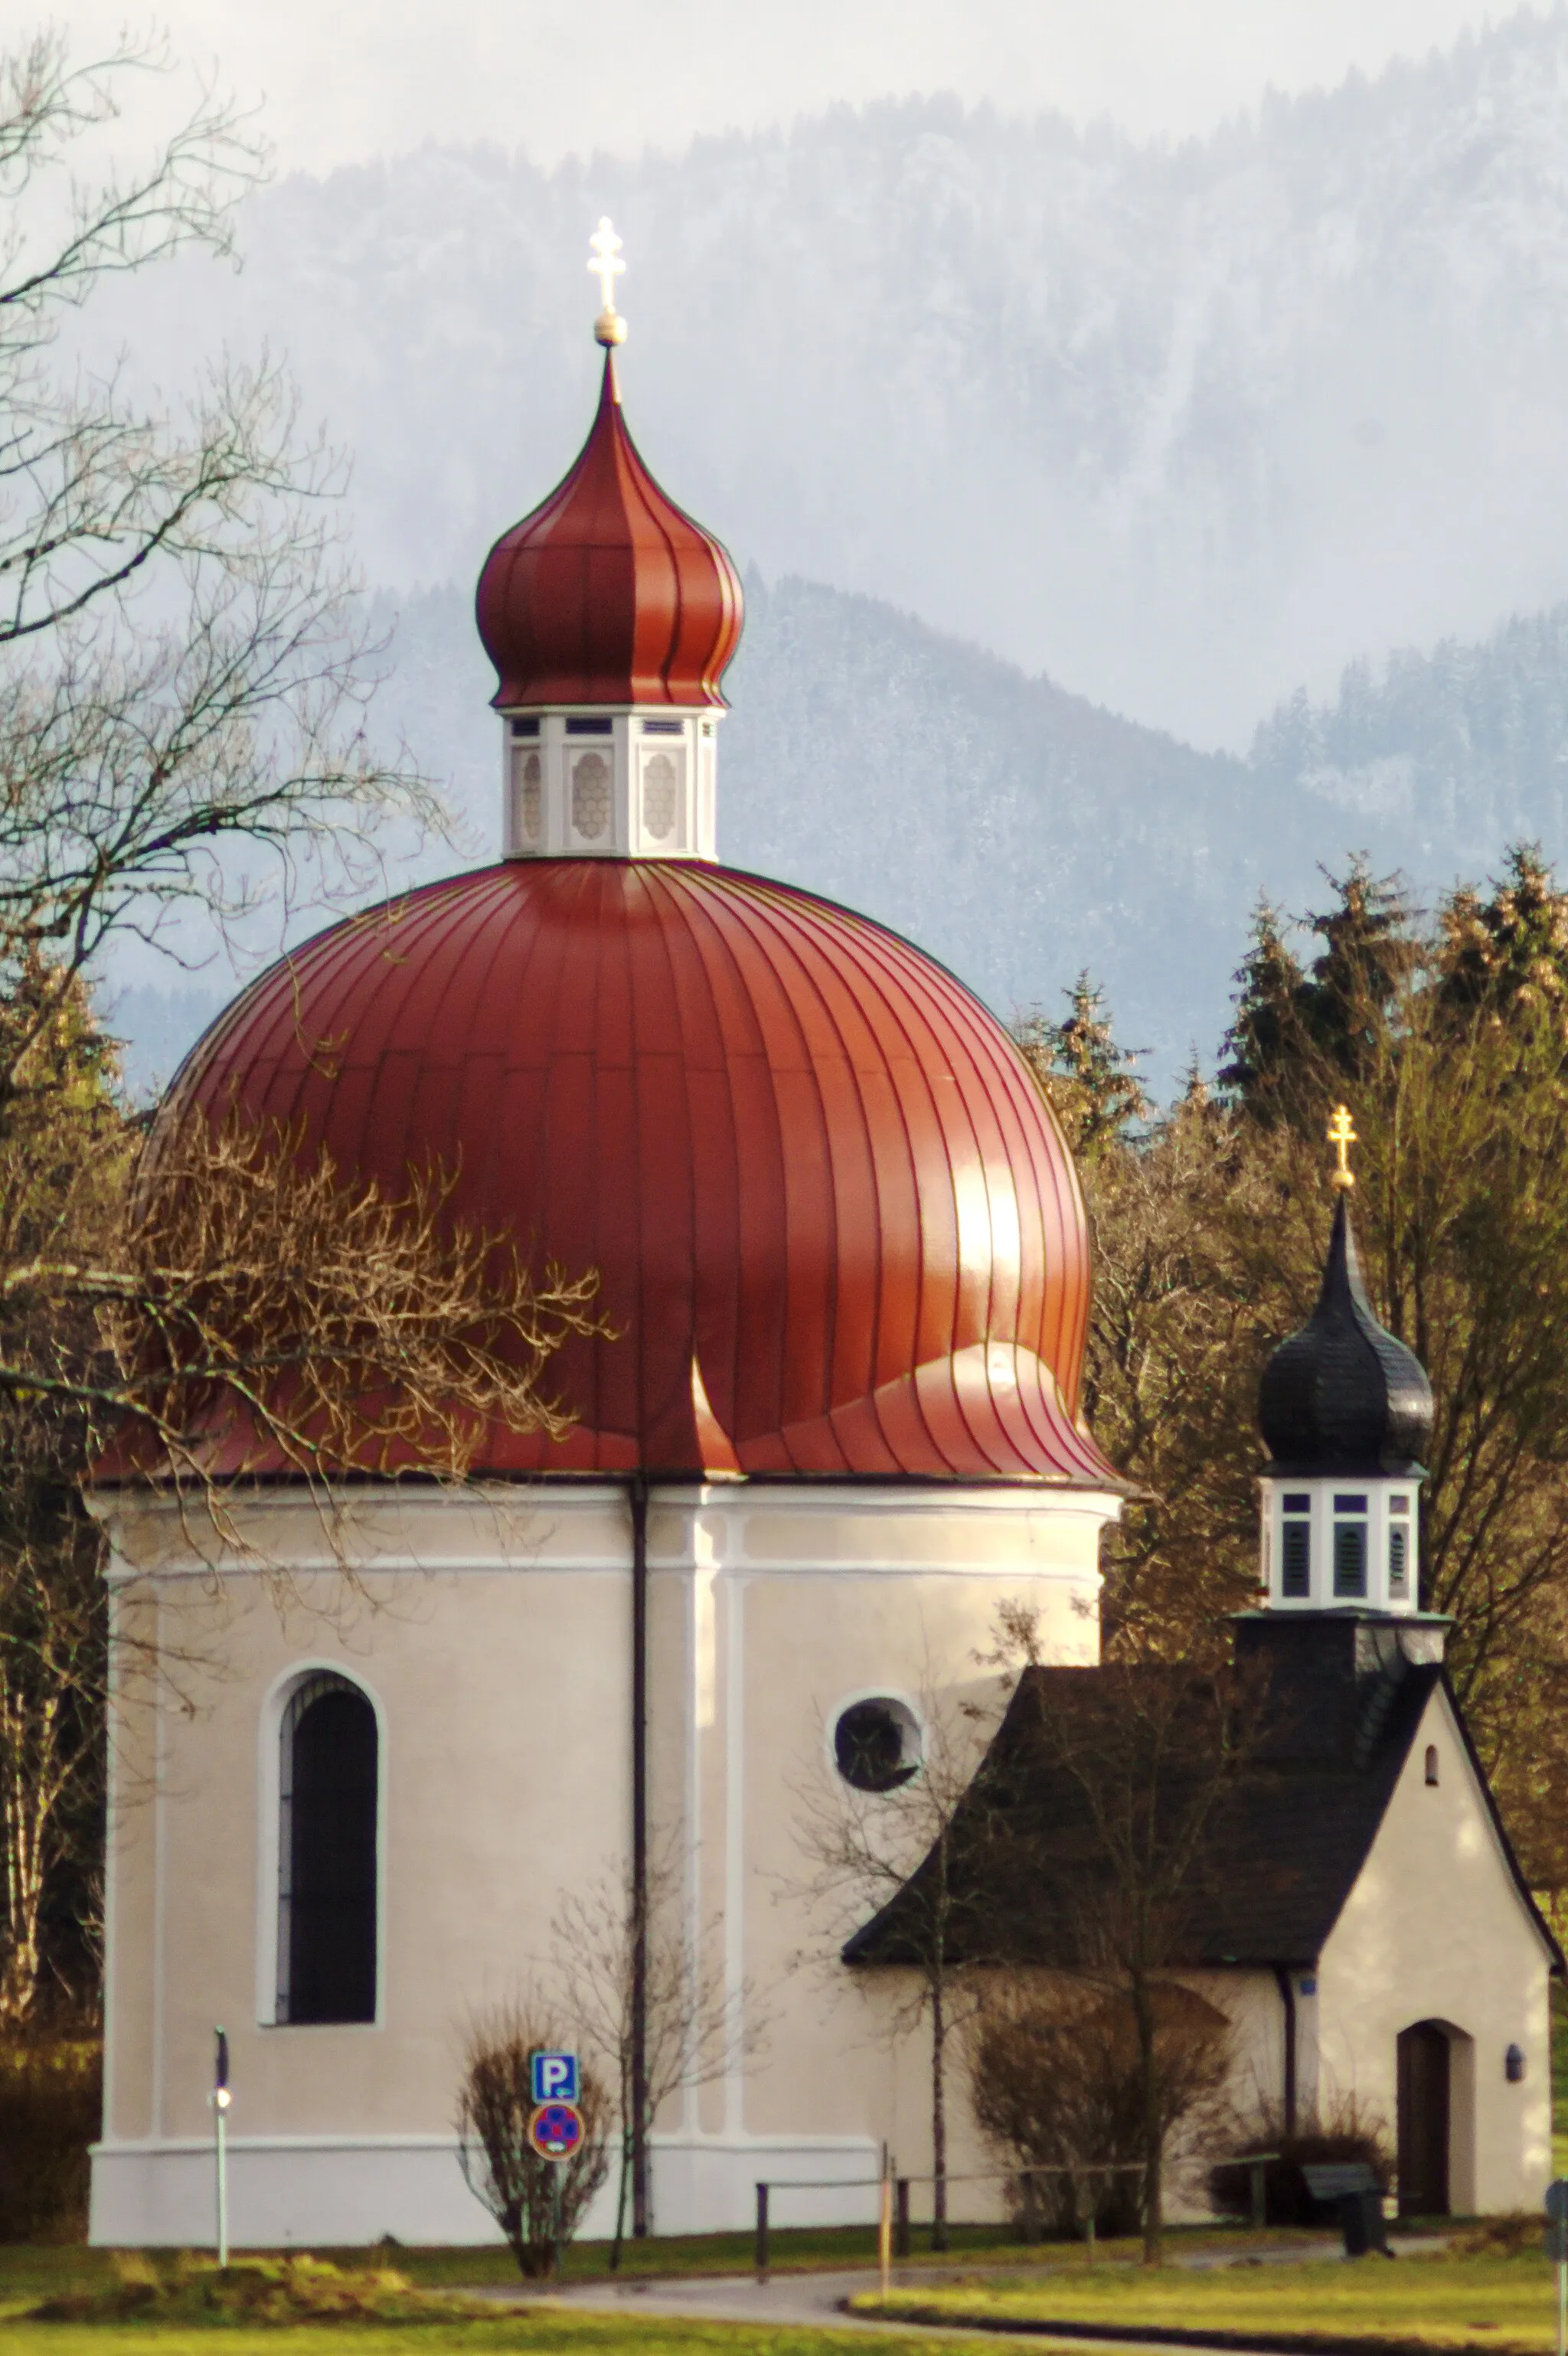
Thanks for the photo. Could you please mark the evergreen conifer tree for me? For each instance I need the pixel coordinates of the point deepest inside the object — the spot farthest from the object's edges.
(1507, 954)
(1090, 1079)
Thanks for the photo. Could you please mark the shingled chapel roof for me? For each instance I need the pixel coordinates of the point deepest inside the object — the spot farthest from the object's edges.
(1335, 1710)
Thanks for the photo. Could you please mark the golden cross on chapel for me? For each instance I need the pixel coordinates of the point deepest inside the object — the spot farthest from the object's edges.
(607, 266)
(1341, 1137)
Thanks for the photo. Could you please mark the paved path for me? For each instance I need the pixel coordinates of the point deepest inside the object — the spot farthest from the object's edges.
(814, 2299)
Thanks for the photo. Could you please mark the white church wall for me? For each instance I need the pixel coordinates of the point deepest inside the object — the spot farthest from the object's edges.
(494, 1637)
(1435, 1929)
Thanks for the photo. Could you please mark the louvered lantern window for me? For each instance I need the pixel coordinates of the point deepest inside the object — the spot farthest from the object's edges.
(1349, 1546)
(1295, 1546)
(327, 1854)
(1399, 1557)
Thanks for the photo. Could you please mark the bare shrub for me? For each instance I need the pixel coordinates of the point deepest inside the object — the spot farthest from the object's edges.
(1057, 2077)
(1347, 2129)
(538, 2203)
(50, 2105)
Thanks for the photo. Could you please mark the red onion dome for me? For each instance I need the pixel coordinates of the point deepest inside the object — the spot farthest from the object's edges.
(837, 1229)
(608, 594)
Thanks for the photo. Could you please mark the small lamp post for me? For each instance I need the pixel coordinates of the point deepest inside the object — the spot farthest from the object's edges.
(221, 2099)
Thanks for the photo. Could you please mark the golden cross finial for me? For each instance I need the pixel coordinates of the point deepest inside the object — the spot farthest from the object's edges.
(1341, 1137)
(607, 266)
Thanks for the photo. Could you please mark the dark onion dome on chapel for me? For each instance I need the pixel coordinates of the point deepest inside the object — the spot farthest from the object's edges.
(837, 1229)
(1343, 1396)
(608, 592)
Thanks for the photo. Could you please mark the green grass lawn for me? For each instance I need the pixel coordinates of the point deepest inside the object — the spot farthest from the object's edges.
(32, 2270)
(1439, 2300)
(541, 2333)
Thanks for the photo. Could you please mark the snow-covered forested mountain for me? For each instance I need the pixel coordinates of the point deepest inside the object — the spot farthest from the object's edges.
(1184, 426)
(1445, 756)
(1020, 833)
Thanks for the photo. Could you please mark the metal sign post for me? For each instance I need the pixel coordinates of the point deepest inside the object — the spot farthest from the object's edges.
(885, 2225)
(222, 2098)
(555, 2127)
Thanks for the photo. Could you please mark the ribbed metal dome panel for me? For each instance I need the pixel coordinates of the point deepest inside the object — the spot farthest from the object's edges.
(837, 1229)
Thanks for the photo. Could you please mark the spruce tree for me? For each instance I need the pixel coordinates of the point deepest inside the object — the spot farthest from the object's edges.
(1090, 1080)
(1263, 1038)
(1507, 954)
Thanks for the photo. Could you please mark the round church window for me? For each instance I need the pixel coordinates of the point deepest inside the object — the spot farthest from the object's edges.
(876, 1744)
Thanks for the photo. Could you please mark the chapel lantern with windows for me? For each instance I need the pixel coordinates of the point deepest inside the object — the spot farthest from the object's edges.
(1345, 1409)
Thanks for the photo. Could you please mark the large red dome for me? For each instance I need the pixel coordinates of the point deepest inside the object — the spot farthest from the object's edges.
(608, 592)
(838, 1230)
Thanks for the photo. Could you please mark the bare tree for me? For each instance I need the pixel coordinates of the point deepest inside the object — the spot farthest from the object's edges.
(184, 678)
(891, 1838)
(241, 1307)
(1102, 1842)
(1058, 2077)
(252, 1307)
(538, 2203)
(180, 665)
(698, 2028)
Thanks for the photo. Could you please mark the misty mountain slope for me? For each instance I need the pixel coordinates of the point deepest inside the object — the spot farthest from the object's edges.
(1187, 426)
(1019, 832)
(1015, 831)
(1452, 753)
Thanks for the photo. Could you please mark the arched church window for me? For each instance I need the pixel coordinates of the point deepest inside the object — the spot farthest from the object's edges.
(876, 1744)
(326, 1853)
(1432, 1763)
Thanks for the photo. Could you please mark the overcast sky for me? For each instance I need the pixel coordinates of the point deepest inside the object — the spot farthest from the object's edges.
(363, 78)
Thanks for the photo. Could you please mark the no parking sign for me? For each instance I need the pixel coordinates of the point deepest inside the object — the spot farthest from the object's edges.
(555, 2130)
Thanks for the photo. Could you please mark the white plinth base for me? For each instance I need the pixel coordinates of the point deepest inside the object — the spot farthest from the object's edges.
(325, 2192)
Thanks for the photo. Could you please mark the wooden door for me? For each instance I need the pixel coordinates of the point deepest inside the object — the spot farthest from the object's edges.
(1423, 2121)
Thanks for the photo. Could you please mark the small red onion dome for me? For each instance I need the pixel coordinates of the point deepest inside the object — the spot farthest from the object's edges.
(608, 594)
(837, 1229)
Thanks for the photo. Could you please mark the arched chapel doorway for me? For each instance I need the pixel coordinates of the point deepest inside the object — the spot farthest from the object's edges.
(1425, 2119)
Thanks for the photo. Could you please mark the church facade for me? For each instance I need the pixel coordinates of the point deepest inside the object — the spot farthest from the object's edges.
(828, 1435)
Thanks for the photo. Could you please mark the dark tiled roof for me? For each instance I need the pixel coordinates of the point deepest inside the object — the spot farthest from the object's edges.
(1249, 1867)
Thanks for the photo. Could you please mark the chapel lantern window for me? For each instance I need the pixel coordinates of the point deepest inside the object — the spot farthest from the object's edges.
(1295, 1547)
(591, 796)
(1349, 1546)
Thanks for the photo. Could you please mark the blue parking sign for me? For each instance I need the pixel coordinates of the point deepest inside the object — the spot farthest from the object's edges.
(555, 2077)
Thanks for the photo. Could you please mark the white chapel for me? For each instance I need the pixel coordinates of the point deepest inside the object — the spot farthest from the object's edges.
(831, 1429)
